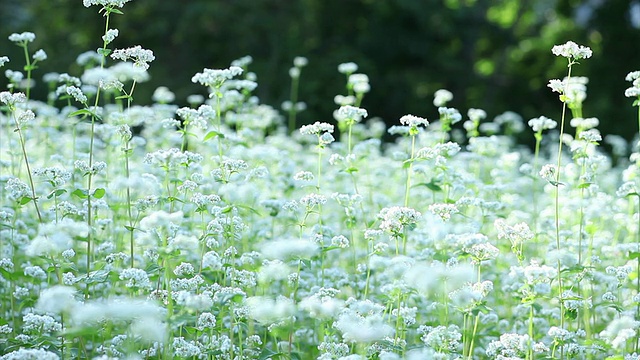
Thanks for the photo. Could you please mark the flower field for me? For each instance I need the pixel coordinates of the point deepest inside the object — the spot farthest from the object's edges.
(226, 230)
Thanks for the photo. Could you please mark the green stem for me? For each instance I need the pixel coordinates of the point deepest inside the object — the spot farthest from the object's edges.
(28, 66)
(294, 99)
(557, 206)
(409, 170)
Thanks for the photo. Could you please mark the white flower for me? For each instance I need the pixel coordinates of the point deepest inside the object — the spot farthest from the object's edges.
(482, 252)
(300, 61)
(395, 218)
(348, 112)
(105, 3)
(449, 114)
(516, 234)
(3, 60)
(591, 135)
(556, 85)
(27, 354)
(138, 278)
(57, 299)
(571, 50)
(40, 55)
(548, 172)
(444, 211)
(620, 330)
(268, 311)
(413, 121)
(542, 123)
(442, 97)
(77, 94)
(149, 329)
(140, 56)
(347, 68)
(316, 129)
(10, 99)
(313, 200)
(289, 249)
(356, 327)
(25, 37)
(110, 35)
(215, 77)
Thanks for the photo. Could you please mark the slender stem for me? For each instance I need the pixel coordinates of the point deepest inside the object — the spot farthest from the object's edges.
(409, 170)
(294, 99)
(29, 68)
(26, 162)
(557, 207)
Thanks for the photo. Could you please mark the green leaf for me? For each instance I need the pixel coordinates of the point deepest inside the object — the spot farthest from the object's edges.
(82, 194)
(432, 185)
(211, 134)
(153, 269)
(56, 193)
(24, 200)
(351, 169)
(634, 254)
(99, 193)
(407, 163)
(584, 185)
(98, 276)
(269, 354)
(329, 248)
(104, 52)
(130, 228)
(116, 11)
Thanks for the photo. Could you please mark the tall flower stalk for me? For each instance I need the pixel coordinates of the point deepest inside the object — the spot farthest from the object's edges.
(413, 123)
(19, 120)
(292, 106)
(214, 79)
(538, 125)
(572, 52)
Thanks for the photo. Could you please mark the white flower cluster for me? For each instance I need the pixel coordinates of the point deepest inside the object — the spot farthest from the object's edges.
(10, 99)
(316, 128)
(444, 211)
(23, 38)
(359, 83)
(482, 252)
(441, 338)
(451, 115)
(634, 90)
(351, 113)
(105, 3)
(57, 176)
(413, 121)
(441, 97)
(517, 234)
(395, 218)
(77, 94)
(110, 35)
(216, 77)
(571, 50)
(141, 57)
(347, 68)
(513, 346)
(542, 123)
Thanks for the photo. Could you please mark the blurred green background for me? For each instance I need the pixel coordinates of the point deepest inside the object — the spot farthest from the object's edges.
(492, 54)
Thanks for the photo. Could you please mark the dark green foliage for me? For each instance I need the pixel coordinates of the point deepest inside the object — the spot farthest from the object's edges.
(492, 54)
